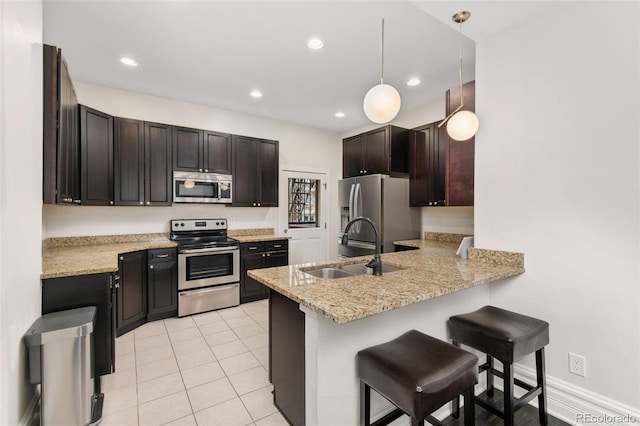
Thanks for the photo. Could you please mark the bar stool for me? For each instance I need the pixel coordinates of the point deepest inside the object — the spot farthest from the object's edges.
(507, 337)
(418, 374)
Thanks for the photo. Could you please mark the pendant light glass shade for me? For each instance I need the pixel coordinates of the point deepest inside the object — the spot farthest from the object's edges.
(381, 103)
(463, 125)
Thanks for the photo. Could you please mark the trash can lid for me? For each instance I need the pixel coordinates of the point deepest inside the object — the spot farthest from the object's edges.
(61, 325)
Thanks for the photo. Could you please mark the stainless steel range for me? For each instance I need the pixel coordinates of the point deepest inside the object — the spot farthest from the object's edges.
(208, 265)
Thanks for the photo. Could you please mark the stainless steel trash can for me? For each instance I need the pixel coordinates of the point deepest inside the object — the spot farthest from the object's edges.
(60, 360)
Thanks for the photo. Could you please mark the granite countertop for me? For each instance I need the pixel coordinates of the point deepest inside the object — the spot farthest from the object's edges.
(64, 257)
(70, 256)
(431, 271)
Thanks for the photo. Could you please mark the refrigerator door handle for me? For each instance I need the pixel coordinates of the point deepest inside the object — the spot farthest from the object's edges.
(351, 205)
(358, 207)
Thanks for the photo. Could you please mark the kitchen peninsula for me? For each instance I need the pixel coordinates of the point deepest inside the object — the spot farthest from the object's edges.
(318, 325)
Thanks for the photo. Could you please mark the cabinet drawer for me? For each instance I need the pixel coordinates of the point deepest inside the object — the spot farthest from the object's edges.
(249, 248)
(277, 245)
(161, 255)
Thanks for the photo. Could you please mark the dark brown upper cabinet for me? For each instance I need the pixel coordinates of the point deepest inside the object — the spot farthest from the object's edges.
(96, 143)
(143, 153)
(158, 189)
(201, 151)
(427, 168)
(128, 162)
(384, 150)
(217, 152)
(460, 154)
(442, 169)
(61, 142)
(256, 168)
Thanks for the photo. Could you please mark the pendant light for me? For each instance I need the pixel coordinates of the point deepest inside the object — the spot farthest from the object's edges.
(382, 102)
(461, 125)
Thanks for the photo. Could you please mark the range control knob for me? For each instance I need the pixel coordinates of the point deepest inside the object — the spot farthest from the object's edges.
(218, 223)
(182, 224)
(175, 224)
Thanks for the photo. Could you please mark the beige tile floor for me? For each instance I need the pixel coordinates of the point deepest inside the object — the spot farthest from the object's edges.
(208, 369)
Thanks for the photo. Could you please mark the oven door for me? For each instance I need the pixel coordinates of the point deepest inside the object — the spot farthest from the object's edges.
(205, 267)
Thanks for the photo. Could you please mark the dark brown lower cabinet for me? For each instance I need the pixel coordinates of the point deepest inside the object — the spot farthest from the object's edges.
(258, 256)
(162, 279)
(59, 294)
(286, 357)
(131, 292)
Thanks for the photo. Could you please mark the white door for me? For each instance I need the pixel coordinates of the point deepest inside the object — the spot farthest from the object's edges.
(302, 215)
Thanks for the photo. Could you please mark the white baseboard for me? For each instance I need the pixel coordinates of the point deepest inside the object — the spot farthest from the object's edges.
(565, 401)
(31, 415)
(578, 406)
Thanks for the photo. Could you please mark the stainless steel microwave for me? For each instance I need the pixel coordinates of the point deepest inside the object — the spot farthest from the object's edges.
(189, 187)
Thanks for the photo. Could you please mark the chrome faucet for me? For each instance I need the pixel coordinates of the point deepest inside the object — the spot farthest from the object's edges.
(375, 263)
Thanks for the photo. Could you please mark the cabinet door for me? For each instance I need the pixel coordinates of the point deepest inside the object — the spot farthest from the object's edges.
(268, 176)
(245, 169)
(187, 149)
(163, 290)
(352, 156)
(128, 162)
(376, 151)
(96, 142)
(251, 289)
(427, 166)
(158, 190)
(132, 292)
(68, 138)
(217, 152)
(59, 294)
(460, 154)
(277, 258)
(49, 123)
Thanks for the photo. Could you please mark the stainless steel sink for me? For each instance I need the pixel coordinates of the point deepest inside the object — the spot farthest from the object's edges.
(346, 271)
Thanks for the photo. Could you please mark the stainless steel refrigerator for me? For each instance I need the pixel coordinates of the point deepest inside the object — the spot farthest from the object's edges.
(384, 200)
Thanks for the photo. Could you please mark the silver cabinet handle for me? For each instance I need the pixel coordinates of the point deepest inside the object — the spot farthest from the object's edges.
(150, 266)
(148, 203)
(162, 256)
(206, 170)
(277, 245)
(141, 203)
(258, 204)
(268, 254)
(253, 248)
(111, 202)
(121, 257)
(263, 254)
(200, 170)
(77, 201)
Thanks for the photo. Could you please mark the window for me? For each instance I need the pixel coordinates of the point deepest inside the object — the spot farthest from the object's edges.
(303, 203)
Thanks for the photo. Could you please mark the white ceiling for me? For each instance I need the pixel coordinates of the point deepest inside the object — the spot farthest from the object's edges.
(215, 52)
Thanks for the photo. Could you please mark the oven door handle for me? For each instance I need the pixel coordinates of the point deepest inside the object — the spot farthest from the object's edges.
(207, 290)
(209, 250)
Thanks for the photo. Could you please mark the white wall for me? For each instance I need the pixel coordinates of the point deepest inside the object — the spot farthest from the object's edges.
(557, 177)
(20, 196)
(299, 146)
(434, 219)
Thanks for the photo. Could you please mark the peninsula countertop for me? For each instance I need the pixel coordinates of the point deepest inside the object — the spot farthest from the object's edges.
(432, 270)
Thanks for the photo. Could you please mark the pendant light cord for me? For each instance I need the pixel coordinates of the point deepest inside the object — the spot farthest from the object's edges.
(460, 73)
(382, 54)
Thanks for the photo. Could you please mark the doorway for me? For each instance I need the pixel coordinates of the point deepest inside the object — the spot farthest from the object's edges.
(303, 194)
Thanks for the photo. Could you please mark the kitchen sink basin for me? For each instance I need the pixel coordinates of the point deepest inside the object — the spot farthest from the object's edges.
(346, 271)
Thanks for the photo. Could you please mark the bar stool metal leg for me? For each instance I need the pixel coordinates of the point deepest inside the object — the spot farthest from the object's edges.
(455, 403)
(508, 394)
(490, 376)
(469, 408)
(542, 398)
(365, 403)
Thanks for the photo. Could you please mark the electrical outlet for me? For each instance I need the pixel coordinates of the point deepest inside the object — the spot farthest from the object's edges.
(577, 364)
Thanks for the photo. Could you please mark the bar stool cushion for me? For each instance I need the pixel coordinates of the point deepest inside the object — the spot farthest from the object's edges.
(503, 334)
(416, 372)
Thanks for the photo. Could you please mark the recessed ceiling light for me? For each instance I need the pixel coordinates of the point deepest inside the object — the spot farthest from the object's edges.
(315, 43)
(413, 82)
(256, 94)
(339, 114)
(128, 61)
